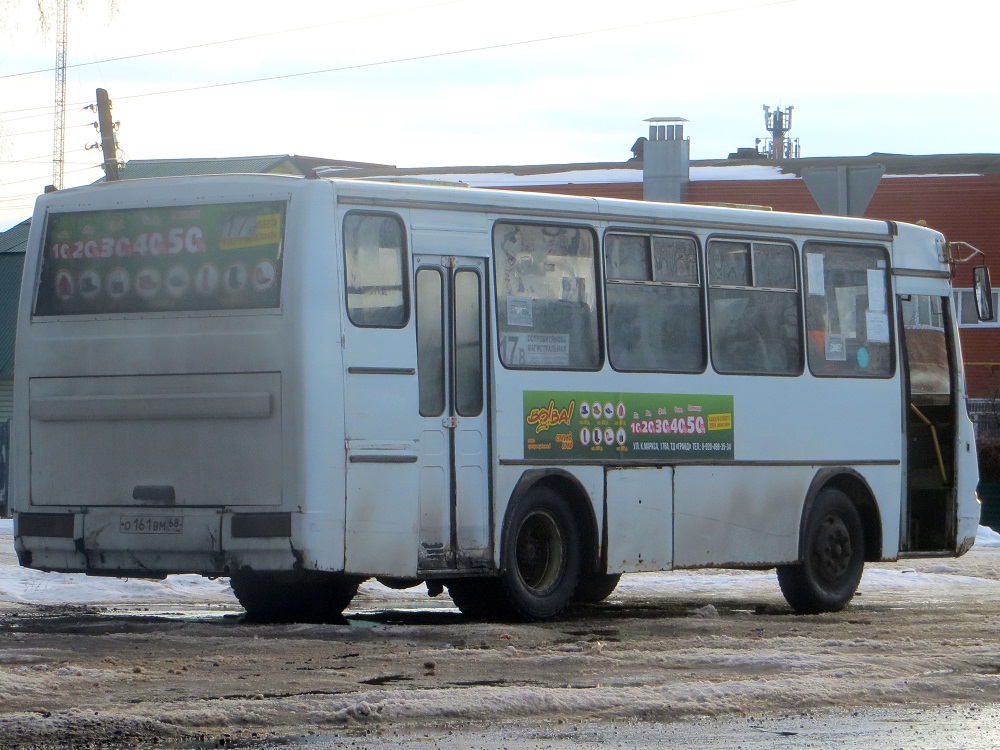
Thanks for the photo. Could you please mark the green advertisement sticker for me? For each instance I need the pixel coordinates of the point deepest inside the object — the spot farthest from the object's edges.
(162, 259)
(601, 426)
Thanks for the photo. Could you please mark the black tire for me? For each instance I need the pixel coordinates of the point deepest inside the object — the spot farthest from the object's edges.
(540, 556)
(294, 596)
(593, 588)
(832, 557)
(478, 598)
(398, 584)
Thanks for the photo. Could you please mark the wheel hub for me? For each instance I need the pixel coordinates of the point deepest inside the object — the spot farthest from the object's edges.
(833, 551)
(539, 552)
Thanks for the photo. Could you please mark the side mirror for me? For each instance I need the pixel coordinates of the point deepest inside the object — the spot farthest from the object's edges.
(983, 292)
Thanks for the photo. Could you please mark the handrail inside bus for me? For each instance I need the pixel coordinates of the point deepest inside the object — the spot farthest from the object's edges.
(934, 437)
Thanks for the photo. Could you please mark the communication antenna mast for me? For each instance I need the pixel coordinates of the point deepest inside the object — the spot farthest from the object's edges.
(59, 129)
(778, 123)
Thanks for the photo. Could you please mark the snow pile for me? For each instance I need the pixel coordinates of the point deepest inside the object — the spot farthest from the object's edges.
(987, 537)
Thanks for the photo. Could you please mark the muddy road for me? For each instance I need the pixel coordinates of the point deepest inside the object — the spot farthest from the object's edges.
(664, 647)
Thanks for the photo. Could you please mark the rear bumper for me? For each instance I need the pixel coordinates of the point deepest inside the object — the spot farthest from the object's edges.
(155, 542)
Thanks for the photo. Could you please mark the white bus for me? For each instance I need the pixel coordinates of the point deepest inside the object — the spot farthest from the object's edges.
(304, 383)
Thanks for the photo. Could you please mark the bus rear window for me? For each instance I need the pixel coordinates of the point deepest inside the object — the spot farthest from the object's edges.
(166, 259)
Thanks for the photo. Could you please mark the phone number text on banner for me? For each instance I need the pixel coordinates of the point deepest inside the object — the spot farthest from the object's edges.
(601, 426)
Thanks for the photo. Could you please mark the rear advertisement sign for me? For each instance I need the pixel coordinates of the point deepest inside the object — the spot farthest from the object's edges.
(615, 427)
(163, 259)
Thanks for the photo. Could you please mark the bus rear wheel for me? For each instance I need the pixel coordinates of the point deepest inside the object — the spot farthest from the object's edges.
(294, 596)
(594, 588)
(478, 598)
(540, 557)
(832, 557)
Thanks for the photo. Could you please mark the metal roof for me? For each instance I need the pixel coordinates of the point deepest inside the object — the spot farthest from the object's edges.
(272, 164)
(931, 165)
(895, 164)
(15, 239)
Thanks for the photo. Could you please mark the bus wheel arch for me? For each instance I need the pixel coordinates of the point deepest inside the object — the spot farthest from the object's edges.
(548, 539)
(839, 530)
(856, 487)
(580, 502)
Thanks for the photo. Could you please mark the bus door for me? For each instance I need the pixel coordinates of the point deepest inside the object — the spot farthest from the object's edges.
(454, 477)
(930, 511)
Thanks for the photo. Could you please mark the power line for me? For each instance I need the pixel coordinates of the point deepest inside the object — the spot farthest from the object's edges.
(451, 53)
(27, 160)
(46, 177)
(23, 199)
(237, 39)
(49, 130)
(28, 117)
(432, 55)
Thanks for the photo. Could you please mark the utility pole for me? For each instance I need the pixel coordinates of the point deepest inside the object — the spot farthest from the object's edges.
(109, 141)
(59, 129)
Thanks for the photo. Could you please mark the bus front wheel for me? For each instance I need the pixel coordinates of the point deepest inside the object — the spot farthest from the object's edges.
(832, 562)
(540, 560)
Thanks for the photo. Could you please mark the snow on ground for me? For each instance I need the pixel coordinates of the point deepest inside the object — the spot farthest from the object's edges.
(28, 586)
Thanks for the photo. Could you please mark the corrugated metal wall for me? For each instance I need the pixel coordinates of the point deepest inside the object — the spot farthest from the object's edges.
(10, 292)
(6, 399)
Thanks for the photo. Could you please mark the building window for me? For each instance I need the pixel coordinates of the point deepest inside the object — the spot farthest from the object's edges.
(968, 316)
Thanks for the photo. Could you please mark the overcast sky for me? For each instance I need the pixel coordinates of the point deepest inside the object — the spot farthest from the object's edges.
(467, 82)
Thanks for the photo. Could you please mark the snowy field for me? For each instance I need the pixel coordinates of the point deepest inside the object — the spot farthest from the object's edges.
(88, 661)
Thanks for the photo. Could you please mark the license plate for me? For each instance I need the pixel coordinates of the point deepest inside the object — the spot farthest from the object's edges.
(151, 524)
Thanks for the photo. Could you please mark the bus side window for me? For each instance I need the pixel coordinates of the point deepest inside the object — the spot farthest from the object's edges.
(753, 301)
(375, 258)
(849, 328)
(654, 304)
(546, 296)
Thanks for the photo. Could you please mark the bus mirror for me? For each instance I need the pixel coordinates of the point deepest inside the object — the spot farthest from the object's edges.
(983, 292)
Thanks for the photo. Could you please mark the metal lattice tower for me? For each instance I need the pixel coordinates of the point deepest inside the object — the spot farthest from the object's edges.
(59, 128)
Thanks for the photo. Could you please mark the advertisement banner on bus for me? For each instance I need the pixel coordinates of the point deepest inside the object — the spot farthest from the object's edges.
(603, 426)
(162, 259)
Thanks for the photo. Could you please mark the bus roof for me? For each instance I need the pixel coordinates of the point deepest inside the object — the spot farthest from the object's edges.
(612, 209)
(384, 193)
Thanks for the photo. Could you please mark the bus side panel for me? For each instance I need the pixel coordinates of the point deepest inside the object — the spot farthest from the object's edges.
(383, 458)
(743, 515)
(313, 387)
(640, 519)
(382, 519)
(751, 515)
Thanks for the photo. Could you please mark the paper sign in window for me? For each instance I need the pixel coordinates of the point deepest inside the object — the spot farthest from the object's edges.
(520, 311)
(876, 291)
(817, 280)
(836, 348)
(878, 327)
